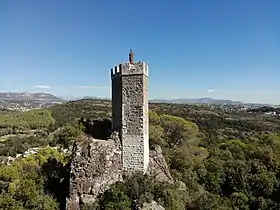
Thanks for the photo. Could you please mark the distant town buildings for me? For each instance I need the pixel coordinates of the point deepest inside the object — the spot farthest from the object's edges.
(22, 105)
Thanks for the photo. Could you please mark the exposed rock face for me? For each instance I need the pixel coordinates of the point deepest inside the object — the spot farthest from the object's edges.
(158, 166)
(97, 164)
(152, 206)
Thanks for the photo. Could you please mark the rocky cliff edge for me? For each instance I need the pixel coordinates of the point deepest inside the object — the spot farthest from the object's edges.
(96, 164)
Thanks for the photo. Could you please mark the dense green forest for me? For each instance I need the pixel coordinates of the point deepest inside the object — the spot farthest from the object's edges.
(221, 159)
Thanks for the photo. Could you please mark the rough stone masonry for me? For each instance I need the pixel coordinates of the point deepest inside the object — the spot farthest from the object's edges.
(130, 115)
(96, 164)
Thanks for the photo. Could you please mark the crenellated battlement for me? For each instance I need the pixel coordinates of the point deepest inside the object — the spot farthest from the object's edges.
(123, 69)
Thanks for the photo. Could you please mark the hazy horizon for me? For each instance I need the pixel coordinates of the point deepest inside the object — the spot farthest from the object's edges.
(73, 97)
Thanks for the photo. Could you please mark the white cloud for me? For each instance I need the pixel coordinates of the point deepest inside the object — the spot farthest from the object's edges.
(211, 90)
(42, 86)
(90, 87)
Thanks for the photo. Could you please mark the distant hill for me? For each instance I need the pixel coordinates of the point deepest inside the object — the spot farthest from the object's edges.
(180, 100)
(29, 96)
(196, 101)
(91, 97)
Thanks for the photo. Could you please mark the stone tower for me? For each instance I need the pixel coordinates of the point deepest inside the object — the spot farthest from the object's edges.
(130, 117)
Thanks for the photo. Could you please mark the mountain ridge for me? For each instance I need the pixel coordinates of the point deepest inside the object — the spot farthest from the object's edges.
(29, 96)
(181, 100)
(196, 101)
(42, 96)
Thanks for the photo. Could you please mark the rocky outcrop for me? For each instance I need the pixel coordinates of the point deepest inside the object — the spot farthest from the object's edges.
(97, 164)
(158, 166)
(152, 206)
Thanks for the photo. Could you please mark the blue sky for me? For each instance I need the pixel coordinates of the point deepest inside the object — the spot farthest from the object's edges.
(68, 47)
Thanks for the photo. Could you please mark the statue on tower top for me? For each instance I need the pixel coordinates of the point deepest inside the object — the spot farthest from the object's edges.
(131, 57)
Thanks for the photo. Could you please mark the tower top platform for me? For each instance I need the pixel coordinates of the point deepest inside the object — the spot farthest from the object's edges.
(126, 69)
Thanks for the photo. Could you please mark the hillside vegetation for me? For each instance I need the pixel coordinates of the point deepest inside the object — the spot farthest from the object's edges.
(220, 159)
(29, 120)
